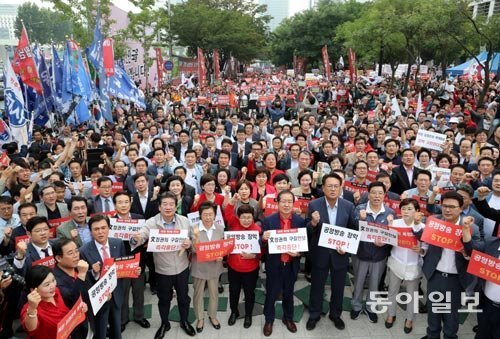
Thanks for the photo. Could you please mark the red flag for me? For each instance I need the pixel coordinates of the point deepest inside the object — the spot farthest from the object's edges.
(216, 60)
(326, 61)
(24, 64)
(352, 66)
(109, 57)
(159, 66)
(202, 75)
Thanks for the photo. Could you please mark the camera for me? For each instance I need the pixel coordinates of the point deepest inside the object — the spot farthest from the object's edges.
(9, 271)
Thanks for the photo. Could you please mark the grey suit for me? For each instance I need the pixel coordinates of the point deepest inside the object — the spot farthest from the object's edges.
(293, 174)
(42, 209)
(64, 231)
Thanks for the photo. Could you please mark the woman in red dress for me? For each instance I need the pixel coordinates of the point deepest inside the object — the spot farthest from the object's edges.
(208, 184)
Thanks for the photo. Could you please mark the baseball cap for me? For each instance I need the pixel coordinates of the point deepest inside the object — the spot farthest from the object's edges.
(454, 120)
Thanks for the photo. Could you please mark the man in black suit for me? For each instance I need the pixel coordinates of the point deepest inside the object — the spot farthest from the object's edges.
(182, 145)
(281, 269)
(123, 203)
(241, 146)
(103, 202)
(144, 199)
(233, 126)
(446, 270)
(95, 252)
(326, 260)
(141, 167)
(39, 248)
(26, 211)
(70, 273)
(223, 162)
(402, 177)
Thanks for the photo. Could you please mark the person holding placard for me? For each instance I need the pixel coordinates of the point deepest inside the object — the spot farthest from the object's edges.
(206, 273)
(405, 264)
(371, 257)
(446, 270)
(96, 253)
(172, 268)
(281, 269)
(330, 209)
(45, 306)
(243, 268)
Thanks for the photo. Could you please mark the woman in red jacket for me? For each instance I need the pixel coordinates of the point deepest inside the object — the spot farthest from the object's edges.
(207, 183)
(243, 269)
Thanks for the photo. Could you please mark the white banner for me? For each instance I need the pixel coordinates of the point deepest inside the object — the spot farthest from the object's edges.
(430, 140)
(166, 240)
(372, 232)
(292, 240)
(124, 229)
(444, 174)
(194, 218)
(102, 289)
(244, 241)
(336, 237)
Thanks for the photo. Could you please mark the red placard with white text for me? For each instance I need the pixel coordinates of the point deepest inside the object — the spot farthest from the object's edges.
(353, 187)
(126, 267)
(443, 234)
(47, 261)
(394, 205)
(211, 250)
(55, 223)
(484, 266)
(406, 238)
(71, 320)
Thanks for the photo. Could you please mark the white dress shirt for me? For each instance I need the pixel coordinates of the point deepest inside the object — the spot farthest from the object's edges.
(143, 200)
(210, 231)
(447, 262)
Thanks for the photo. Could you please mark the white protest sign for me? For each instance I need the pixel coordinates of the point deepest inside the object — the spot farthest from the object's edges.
(444, 174)
(395, 107)
(102, 289)
(124, 229)
(166, 240)
(244, 241)
(372, 232)
(339, 237)
(290, 73)
(430, 140)
(194, 218)
(291, 240)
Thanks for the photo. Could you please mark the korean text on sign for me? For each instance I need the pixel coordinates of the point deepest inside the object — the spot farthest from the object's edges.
(335, 237)
(484, 266)
(443, 234)
(166, 240)
(244, 241)
(371, 232)
(431, 140)
(212, 250)
(102, 289)
(292, 240)
(124, 229)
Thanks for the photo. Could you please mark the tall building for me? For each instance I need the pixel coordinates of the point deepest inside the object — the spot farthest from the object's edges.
(278, 9)
(8, 14)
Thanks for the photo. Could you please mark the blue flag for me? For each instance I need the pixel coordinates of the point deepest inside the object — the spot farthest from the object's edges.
(45, 102)
(121, 86)
(56, 72)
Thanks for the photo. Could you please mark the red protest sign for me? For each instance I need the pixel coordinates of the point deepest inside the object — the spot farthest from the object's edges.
(394, 205)
(484, 266)
(223, 100)
(211, 250)
(371, 176)
(47, 261)
(422, 202)
(443, 234)
(303, 203)
(406, 238)
(127, 267)
(109, 213)
(24, 238)
(116, 187)
(353, 187)
(71, 320)
(55, 223)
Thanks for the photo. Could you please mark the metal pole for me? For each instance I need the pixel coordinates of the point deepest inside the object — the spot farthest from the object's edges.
(170, 31)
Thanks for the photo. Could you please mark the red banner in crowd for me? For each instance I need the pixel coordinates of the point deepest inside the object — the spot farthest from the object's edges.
(393, 204)
(4, 159)
(71, 320)
(353, 187)
(116, 187)
(47, 261)
(24, 63)
(159, 66)
(55, 223)
(406, 238)
(303, 203)
(211, 250)
(126, 267)
(484, 266)
(352, 66)
(216, 61)
(108, 57)
(326, 61)
(443, 234)
(202, 72)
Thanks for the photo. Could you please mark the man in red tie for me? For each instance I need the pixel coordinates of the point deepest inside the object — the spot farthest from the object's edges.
(281, 269)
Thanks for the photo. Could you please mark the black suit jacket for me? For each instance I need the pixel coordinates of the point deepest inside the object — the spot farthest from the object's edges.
(189, 190)
(151, 206)
(433, 255)
(130, 187)
(31, 256)
(400, 181)
(177, 148)
(248, 147)
(345, 218)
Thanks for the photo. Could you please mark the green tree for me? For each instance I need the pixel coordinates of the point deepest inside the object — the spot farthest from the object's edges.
(42, 25)
(236, 27)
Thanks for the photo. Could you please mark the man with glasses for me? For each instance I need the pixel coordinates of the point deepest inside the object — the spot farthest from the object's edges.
(330, 209)
(49, 207)
(103, 202)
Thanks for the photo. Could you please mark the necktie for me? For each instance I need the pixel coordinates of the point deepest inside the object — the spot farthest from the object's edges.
(106, 205)
(105, 253)
(46, 252)
(286, 226)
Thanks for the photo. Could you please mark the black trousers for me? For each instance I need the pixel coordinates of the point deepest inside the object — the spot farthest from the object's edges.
(448, 320)
(152, 272)
(247, 280)
(165, 284)
(137, 287)
(279, 279)
(489, 322)
(318, 280)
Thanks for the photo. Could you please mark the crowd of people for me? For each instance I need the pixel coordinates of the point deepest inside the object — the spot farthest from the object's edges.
(266, 152)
